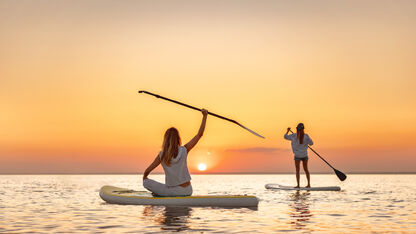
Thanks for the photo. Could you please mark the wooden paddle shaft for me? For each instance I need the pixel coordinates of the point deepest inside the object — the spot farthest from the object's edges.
(189, 106)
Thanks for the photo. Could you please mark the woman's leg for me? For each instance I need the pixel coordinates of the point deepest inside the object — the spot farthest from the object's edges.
(308, 176)
(155, 187)
(297, 165)
(179, 191)
(162, 190)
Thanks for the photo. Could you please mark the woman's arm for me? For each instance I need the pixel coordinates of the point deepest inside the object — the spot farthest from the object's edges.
(287, 136)
(198, 136)
(152, 166)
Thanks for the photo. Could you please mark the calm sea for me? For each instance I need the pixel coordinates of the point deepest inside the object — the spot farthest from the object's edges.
(70, 203)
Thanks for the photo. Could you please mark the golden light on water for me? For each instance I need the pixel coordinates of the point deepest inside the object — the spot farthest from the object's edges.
(202, 167)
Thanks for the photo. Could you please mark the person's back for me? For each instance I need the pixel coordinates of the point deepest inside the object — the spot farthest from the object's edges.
(177, 172)
(299, 150)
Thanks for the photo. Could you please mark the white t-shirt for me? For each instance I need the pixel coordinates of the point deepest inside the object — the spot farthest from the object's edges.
(300, 150)
(177, 173)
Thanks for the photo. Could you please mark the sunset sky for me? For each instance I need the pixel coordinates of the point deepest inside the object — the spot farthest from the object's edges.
(70, 72)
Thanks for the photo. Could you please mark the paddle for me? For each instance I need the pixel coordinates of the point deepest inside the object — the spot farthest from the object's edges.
(340, 175)
(198, 109)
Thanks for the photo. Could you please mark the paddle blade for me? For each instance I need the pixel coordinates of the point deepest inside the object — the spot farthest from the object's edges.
(340, 175)
(255, 133)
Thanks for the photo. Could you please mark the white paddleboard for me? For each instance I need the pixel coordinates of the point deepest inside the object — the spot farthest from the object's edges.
(282, 187)
(124, 196)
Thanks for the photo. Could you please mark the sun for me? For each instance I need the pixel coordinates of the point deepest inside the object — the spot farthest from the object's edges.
(202, 166)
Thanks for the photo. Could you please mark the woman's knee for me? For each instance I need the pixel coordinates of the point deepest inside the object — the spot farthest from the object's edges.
(147, 183)
(189, 191)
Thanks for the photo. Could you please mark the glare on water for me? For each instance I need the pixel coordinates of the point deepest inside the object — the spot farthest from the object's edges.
(70, 203)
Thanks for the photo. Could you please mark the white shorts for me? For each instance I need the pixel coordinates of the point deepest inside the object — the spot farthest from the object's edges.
(166, 191)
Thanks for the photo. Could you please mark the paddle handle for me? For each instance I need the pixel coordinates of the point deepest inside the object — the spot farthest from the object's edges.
(189, 106)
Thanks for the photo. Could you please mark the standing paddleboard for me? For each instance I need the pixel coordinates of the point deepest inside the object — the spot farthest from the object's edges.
(282, 187)
(124, 196)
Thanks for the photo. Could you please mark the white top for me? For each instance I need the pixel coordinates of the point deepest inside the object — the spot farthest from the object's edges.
(300, 150)
(177, 173)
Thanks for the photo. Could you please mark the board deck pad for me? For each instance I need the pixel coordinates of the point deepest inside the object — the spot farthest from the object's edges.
(283, 187)
(124, 196)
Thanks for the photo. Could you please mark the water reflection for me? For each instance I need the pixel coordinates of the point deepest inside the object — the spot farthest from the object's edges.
(172, 218)
(300, 212)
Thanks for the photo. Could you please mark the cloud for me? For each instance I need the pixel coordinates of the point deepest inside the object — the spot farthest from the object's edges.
(258, 150)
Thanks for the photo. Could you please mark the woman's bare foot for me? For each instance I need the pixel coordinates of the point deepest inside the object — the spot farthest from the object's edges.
(308, 186)
(297, 186)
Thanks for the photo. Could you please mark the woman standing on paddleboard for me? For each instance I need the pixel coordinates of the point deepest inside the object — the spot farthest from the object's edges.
(300, 142)
(173, 158)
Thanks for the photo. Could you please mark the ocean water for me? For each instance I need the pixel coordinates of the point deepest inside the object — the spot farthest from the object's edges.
(70, 203)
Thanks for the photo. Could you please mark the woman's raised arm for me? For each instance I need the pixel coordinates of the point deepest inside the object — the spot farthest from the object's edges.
(200, 133)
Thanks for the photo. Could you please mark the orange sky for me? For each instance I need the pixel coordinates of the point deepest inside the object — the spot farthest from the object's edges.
(70, 71)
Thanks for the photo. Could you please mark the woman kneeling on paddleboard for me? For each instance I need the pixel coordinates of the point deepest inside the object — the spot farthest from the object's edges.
(173, 158)
(300, 142)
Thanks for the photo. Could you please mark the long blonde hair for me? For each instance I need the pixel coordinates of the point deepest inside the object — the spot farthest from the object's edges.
(171, 143)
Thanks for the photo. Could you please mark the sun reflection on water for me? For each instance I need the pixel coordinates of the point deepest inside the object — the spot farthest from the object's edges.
(171, 218)
(300, 212)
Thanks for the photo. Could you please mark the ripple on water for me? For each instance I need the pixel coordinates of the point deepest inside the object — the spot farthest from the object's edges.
(380, 216)
(109, 226)
(336, 214)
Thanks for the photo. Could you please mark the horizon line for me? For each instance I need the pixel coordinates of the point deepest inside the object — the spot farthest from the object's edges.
(214, 173)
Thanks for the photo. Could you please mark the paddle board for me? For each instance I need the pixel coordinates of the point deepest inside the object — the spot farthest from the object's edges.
(282, 187)
(124, 196)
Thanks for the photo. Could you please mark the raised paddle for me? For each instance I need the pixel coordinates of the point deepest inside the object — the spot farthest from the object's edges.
(198, 109)
(340, 175)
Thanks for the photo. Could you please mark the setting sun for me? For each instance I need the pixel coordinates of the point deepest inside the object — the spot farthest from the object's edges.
(202, 166)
